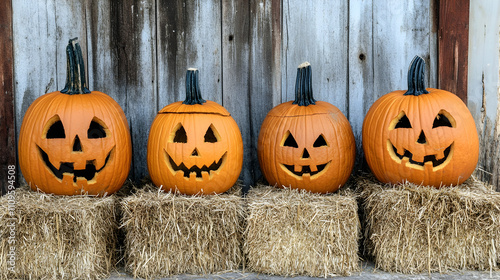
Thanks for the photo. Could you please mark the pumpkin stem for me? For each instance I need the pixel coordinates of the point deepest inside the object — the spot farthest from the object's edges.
(416, 76)
(303, 86)
(75, 75)
(193, 94)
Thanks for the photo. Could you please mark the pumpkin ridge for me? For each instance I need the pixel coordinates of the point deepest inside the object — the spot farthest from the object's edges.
(75, 75)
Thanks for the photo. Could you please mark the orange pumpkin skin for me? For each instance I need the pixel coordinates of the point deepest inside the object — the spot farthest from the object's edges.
(321, 156)
(194, 164)
(437, 145)
(92, 157)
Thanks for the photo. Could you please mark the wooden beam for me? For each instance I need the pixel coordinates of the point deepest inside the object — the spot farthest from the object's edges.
(453, 44)
(7, 124)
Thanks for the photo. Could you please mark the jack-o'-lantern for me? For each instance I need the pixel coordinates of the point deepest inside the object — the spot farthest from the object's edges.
(75, 141)
(425, 136)
(306, 144)
(194, 146)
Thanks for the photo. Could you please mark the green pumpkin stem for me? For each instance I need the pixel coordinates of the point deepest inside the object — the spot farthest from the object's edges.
(303, 86)
(75, 75)
(416, 77)
(193, 94)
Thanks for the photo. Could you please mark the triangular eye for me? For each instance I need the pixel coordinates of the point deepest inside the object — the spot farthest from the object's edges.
(403, 122)
(210, 136)
(95, 130)
(320, 142)
(290, 141)
(56, 130)
(441, 120)
(180, 135)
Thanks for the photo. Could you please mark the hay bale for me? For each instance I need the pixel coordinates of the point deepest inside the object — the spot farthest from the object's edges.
(56, 237)
(291, 232)
(169, 234)
(412, 229)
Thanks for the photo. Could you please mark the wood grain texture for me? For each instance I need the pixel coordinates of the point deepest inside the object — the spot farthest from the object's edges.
(35, 66)
(483, 90)
(251, 37)
(402, 30)
(133, 38)
(453, 46)
(247, 54)
(189, 36)
(361, 82)
(317, 32)
(7, 119)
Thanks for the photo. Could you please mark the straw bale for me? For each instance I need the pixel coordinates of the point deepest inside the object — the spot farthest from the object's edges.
(169, 234)
(413, 229)
(291, 232)
(57, 237)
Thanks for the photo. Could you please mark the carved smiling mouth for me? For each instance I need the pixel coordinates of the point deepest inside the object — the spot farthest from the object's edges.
(429, 158)
(214, 167)
(306, 169)
(67, 167)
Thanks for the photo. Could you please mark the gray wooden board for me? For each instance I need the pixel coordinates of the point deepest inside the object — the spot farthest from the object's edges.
(484, 86)
(247, 54)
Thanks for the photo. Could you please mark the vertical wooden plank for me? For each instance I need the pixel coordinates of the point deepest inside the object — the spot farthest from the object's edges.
(35, 52)
(133, 47)
(41, 31)
(70, 21)
(317, 31)
(122, 63)
(483, 90)
(453, 46)
(235, 73)
(103, 50)
(264, 72)
(7, 120)
(361, 91)
(401, 31)
(189, 35)
(251, 44)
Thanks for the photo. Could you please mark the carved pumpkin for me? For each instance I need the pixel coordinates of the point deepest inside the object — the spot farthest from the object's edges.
(75, 141)
(194, 146)
(306, 144)
(425, 136)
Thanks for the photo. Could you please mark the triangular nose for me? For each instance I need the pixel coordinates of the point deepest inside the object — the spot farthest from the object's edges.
(421, 138)
(195, 153)
(77, 146)
(305, 154)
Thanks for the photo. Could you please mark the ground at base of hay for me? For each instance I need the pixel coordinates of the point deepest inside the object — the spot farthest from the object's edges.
(368, 272)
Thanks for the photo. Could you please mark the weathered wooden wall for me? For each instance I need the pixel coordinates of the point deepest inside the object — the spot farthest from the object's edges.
(484, 85)
(247, 53)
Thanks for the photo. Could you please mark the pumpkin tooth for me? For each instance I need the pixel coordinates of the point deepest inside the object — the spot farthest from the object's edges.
(192, 175)
(428, 166)
(405, 160)
(400, 150)
(417, 158)
(306, 176)
(205, 175)
(313, 168)
(81, 182)
(440, 154)
(80, 165)
(67, 179)
(297, 168)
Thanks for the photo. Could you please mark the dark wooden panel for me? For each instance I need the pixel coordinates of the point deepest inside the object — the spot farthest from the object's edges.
(7, 122)
(189, 36)
(132, 54)
(453, 46)
(251, 63)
